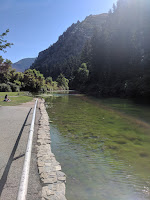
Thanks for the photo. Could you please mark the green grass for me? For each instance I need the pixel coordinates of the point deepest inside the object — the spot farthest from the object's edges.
(15, 97)
(2, 94)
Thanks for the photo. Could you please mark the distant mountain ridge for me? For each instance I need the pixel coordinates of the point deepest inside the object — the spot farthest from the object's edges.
(52, 61)
(23, 64)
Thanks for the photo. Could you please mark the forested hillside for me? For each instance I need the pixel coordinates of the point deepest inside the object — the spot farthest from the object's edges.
(118, 59)
(23, 64)
(105, 55)
(64, 55)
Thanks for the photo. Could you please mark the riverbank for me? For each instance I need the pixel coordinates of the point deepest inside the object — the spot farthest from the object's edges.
(52, 178)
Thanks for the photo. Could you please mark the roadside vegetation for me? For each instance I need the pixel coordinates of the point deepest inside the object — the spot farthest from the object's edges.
(31, 80)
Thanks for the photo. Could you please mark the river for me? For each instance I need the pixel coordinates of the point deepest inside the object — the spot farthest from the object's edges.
(103, 146)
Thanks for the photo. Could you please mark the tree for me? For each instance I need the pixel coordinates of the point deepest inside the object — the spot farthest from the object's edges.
(83, 73)
(62, 82)
(5, 69)
(114, 8)
(3, 43)
(80, 77)
(33, 80)
(110, 12)
(49, 80)
(5, 65)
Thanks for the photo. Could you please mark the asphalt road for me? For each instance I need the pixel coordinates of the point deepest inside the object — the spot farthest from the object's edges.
(15, 123)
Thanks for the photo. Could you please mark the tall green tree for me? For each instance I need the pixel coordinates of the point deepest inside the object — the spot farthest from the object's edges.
(5, 70)
(62, 82)
(33, 80)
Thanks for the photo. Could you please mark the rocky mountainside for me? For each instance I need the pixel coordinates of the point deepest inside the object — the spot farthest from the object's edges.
(60, 57)
(23, 64)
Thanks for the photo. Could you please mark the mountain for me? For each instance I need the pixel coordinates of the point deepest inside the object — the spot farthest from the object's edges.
(63, 55)
(118, 59)
(23, 64)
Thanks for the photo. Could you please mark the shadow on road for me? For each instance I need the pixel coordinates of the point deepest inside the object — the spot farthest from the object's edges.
(11, 158)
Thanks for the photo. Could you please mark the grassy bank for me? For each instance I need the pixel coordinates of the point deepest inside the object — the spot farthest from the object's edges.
(15, 97)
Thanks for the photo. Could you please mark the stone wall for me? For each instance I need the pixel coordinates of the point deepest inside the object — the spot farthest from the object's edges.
(52, 178)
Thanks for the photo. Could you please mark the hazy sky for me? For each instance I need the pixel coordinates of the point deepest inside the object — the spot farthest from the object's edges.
(36, 24)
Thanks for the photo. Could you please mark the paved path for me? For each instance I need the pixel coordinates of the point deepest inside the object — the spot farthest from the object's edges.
(15, 123)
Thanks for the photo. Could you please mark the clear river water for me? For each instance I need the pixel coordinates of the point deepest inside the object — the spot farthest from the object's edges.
(103, 146)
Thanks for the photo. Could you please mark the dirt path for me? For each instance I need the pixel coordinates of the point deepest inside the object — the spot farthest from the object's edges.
(15, 123)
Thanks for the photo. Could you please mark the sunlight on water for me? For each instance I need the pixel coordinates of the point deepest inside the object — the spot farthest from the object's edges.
(93, 176)
(92, 173)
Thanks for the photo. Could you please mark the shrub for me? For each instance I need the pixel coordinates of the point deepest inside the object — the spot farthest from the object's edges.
(44, 88)
(17, 83)
(62, 82)
(5, 88)
(55, 85)
(14, 87)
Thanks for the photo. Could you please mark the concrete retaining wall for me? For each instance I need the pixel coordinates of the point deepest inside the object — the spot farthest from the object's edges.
(52, 178)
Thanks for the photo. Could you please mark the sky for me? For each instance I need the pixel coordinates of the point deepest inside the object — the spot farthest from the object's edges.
(36, 24)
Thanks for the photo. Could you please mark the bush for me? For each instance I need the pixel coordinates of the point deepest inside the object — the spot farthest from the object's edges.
(18, 83)
(43, 88)
(14, 87)
(55, 85)
(5, 88)
(62, 82)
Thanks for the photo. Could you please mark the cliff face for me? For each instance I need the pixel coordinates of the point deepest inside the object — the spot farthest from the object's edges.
(53, 60)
